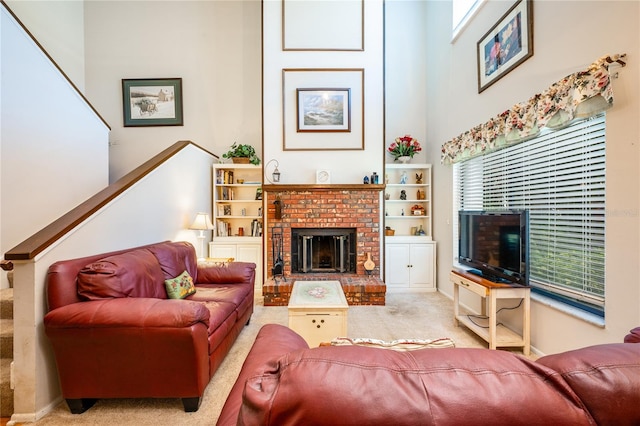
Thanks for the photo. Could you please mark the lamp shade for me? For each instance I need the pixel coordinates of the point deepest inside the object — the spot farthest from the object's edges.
(202, 222)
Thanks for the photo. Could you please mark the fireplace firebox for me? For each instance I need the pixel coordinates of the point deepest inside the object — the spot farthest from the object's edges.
(321, 250)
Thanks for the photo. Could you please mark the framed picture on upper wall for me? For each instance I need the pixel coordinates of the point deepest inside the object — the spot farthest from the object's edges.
(324, 110)
(506, 45)
(152, 102)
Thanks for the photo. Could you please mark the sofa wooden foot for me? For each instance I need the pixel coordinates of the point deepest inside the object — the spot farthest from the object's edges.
(79, 406)
(191, 404)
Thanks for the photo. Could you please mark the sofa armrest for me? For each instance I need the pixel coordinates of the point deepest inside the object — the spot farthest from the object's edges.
(233, 273)
(633, 336)
(272, 342)
(128, 312)
(603, 375)
(131, 348)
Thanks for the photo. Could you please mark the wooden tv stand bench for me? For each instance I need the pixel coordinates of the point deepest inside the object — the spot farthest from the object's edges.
(496, 335)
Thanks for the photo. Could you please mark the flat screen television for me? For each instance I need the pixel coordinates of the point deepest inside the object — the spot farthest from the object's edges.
(495, 244)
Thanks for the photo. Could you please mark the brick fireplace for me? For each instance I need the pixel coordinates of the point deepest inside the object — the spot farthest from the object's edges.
(328, 207)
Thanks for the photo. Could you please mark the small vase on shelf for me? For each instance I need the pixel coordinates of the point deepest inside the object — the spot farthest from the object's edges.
(404, 159)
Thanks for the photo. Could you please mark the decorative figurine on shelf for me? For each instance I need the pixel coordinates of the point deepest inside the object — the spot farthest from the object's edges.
(403, 195)
(374, 178)
(387, 196)
(365, 180)
(421, 194)
(418, 178)
(421, 231)
(403, 178)
(402, 212)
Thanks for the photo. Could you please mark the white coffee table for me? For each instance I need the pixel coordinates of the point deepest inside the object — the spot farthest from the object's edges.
(318, 311)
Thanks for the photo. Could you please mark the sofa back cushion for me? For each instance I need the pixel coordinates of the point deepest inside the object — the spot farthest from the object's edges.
(135, 273)
(175, 258)
(358, 385)
(232, 273)
(606, 378)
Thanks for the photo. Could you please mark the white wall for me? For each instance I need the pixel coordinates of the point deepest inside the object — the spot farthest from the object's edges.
(345, 166)
(159, 207)
(214, 46)
(568, 36)
(54, 147)
(59, 28)
(406, 62)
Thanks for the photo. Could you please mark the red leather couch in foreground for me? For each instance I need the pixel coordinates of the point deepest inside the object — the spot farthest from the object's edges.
(115, 334)
(283, 382)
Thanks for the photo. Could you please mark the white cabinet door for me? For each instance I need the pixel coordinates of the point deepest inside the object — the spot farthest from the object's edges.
(410, 265)
(219, 251)
(422, 256)
(240, 252)
(248, 253)
(251, 253)
(397, 261)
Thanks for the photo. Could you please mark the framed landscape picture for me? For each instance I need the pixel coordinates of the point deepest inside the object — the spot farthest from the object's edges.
(506, 45)
(324, 110)
(152, 102)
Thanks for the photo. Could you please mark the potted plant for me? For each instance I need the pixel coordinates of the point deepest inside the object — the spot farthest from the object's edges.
(242, 153)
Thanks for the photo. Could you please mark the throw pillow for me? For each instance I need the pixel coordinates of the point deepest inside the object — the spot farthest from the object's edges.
(180, 286)
(398, 345)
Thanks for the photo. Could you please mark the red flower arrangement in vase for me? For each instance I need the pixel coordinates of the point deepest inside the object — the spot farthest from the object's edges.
(404, 148)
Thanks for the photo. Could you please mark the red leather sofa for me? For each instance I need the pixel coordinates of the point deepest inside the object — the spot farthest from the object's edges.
(115, 334)
(283, 382)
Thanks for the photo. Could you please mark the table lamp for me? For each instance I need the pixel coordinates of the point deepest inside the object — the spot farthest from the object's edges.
(201, 223)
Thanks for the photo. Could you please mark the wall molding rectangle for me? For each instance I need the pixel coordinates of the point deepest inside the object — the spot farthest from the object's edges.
(301, 78)
(323, 25)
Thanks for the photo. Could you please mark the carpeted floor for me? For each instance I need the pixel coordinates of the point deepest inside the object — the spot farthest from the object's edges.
(420, 316)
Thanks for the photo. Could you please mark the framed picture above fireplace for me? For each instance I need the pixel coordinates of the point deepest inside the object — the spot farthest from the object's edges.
(323, 109)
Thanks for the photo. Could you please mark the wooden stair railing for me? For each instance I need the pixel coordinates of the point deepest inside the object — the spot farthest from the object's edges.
(42, 239)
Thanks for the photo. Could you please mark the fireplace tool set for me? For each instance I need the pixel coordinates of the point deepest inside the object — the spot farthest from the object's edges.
(278, 263)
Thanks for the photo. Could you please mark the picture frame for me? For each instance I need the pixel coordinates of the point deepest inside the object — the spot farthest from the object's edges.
(152, 102)
(323, 110)
(506, 45)
(348, 84)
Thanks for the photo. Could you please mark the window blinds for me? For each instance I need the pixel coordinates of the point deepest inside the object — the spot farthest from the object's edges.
(560, 177)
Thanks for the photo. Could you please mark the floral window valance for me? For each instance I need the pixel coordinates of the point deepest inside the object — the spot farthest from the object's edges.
(581, 94)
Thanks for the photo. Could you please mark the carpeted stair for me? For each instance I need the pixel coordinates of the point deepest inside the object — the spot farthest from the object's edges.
(6, 351)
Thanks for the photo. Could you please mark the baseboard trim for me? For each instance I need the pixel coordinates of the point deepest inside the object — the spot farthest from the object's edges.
(18, 418)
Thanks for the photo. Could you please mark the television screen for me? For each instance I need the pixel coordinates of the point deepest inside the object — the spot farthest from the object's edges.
(495, 244)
